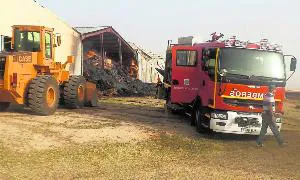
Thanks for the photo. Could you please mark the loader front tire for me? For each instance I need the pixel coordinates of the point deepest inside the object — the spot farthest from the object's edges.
(74, 92)
(43, 95)
(4, 106)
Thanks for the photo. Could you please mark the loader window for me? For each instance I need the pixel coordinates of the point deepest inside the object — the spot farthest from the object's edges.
(7, 43)
(186, 58)
(48, 45)
(27, 41)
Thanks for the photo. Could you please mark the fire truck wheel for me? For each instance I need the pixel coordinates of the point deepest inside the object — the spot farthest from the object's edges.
(43, 95)
(4, 106)
(74, 92)
(199, 120)
(193, 118)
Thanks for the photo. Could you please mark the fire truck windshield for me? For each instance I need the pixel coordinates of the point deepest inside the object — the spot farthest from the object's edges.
(249, 62)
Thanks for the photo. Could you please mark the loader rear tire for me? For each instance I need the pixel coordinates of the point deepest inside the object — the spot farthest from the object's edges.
(43, 95)
(92, 102)
(4, 106)
(74, 92)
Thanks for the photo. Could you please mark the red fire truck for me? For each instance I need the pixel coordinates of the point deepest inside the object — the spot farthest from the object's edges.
(221, 84)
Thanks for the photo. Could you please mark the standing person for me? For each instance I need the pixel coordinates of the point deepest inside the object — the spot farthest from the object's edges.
(158, 86)
(268, 118)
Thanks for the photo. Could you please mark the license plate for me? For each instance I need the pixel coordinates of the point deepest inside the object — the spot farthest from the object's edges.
(248, 130)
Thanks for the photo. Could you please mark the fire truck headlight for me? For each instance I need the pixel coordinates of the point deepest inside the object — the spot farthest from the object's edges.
(219, 115)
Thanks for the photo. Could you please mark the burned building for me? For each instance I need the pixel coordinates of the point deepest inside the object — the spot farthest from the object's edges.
(111, 63)
(148, 63)
(109, 47)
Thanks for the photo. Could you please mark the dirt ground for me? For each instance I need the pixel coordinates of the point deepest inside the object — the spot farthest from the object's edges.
(134, 138)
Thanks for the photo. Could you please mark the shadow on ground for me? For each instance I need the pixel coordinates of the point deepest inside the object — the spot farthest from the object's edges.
(158, 120)
(145, 113)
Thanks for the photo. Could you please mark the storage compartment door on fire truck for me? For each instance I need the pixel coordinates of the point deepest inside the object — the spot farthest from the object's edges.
(184, 74)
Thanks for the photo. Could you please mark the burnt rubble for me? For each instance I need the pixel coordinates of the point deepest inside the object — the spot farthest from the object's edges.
(112, 80)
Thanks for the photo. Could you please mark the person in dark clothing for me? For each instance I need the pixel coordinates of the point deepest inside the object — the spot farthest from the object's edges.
(268, 118)
(158, 86)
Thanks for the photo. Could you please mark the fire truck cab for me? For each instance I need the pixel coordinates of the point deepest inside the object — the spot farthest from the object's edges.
(221, 84)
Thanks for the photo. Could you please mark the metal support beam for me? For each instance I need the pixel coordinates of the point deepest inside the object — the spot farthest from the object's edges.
(101, 50)
(1, 43)
(82, 64)
(120, 53)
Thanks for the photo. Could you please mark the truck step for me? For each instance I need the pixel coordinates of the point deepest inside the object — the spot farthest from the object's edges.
(204, 125)
(207, 115)
(188, 114)
(175, 107)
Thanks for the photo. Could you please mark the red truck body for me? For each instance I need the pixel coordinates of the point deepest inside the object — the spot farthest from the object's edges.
(197, 85)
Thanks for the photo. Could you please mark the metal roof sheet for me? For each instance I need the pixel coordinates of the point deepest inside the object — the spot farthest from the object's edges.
(110, 38)
(150, 54)
(85, 30)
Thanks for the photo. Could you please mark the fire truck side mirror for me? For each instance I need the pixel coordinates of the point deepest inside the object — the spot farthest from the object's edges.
(290, 59)
(293, 64)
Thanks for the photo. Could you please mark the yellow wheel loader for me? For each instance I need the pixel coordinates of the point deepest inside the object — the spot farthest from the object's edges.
(30, 75)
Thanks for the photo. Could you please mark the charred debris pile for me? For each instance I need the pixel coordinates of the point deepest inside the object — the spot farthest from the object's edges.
(113, 80)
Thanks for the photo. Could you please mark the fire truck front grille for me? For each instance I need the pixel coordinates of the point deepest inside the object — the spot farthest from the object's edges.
(2, 67)
(247, 121)
(244, 103)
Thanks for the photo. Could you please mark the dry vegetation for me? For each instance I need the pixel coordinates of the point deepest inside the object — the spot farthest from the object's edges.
(133, 138)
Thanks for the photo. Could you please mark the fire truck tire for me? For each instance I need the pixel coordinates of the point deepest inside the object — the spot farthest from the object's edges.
(193, 119)
(43, 95)
(4, 106)
(199, 120)
(74, 92)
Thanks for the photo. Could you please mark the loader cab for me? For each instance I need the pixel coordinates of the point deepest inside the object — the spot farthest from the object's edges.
(38, 40)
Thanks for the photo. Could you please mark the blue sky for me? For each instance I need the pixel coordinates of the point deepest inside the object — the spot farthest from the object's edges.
(150, 23)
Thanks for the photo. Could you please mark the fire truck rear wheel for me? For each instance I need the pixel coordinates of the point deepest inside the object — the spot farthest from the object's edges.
(43, 95)
(74, 92)
(200, 120)
(4, 106)
(193, 118)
